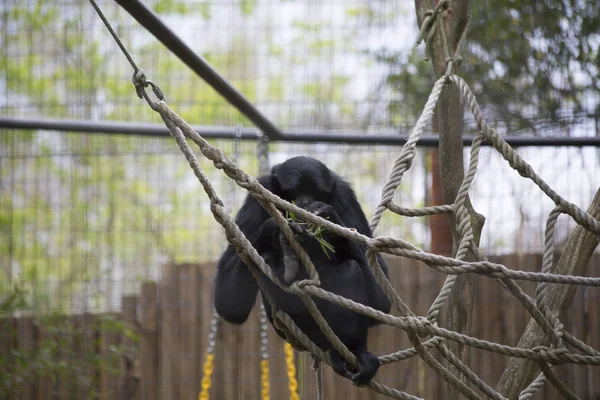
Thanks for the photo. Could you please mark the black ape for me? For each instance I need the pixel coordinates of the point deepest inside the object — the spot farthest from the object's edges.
(310, 184)
(339, 273)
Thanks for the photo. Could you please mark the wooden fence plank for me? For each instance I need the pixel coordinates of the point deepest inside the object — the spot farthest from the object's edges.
(277, 365)
(221, 376)
(26, 344)
(129, 387)
(592, 301)
(593, 337)
(175, 319)
(492, 328)
(204, 282)
(423, 380)
(578, 374)
(249, 357)
(149, 351)
(110, 364)
(187, 344)
(231, 338)
(87, 351)
(45, 384)
(169, 322)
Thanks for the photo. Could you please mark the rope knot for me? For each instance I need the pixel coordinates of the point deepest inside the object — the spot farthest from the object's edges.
(300, 285)
(550, 355)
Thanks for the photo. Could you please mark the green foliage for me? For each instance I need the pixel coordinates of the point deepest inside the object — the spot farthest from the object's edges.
(66, 353)
(315, 230)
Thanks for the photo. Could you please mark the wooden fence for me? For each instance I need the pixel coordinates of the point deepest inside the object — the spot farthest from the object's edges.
(161, 352)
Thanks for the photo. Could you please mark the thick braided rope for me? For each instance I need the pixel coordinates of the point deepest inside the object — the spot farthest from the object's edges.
(531, 390)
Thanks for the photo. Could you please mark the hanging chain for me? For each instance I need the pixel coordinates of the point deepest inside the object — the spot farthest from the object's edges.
(236, 143)
(262, 151)
(208, 363)
(291, 371)
(235, 157)
(264, 352)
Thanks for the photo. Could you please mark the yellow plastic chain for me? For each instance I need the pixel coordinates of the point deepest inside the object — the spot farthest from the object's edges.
(264, 379)
(291, 372)
(206, 381)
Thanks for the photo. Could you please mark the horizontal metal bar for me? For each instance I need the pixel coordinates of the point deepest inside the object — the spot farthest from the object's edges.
(119, 128)
(149, 20)
(209, 132)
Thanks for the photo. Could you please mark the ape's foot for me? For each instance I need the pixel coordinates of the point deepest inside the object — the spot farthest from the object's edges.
(338, 364)
(361, 376)
(368, 369)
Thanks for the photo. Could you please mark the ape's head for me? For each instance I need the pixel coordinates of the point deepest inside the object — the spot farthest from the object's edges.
(303, 180)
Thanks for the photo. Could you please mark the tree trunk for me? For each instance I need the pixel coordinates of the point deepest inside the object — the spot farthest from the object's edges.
(440, 225)
(449, 113)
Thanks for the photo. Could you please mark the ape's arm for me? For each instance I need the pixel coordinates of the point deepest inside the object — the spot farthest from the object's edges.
(235, 287)
(351, 215)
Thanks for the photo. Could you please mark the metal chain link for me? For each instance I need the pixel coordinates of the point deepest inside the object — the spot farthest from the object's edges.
(262, 151)
(212, 335)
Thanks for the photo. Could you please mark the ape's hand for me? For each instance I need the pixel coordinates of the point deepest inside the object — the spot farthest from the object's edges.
(324, 211)
(299, 230)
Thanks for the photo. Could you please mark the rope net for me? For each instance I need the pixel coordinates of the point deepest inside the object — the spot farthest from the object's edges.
(416, 327)
(423, 332)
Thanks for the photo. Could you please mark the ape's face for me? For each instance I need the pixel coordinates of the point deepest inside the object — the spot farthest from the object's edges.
(303, 180)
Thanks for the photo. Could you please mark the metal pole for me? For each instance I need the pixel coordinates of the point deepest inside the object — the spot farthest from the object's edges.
(354, 138)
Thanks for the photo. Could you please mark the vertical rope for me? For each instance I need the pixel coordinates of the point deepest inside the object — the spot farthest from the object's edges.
(316, 366)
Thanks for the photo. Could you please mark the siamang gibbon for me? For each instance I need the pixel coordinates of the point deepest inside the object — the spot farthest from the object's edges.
(344, 271)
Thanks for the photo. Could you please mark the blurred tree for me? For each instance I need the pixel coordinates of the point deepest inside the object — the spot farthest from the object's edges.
(532, 65)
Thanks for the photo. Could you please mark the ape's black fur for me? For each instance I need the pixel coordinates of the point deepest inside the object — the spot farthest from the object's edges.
(310, 184)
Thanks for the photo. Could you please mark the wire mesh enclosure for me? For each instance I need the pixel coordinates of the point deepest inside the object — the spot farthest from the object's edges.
(86, 220)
